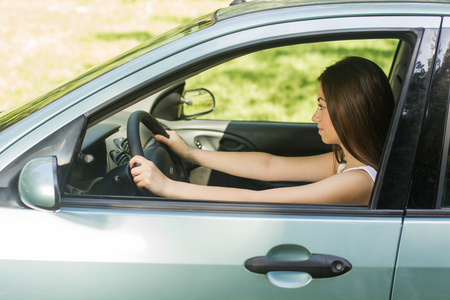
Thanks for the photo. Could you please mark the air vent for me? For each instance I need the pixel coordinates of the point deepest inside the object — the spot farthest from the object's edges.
(119, 157)
(122, 144)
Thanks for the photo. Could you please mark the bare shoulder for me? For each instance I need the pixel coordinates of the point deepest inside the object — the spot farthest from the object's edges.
(352, 187)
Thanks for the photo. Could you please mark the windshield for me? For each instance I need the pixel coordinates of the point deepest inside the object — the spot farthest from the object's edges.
(9, 117)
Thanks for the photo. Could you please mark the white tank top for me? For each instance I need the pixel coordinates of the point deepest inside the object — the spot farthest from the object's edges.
(371, 171)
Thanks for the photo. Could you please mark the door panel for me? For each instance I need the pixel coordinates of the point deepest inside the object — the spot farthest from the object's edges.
(423, 266)
(179, 255)
(289, 139)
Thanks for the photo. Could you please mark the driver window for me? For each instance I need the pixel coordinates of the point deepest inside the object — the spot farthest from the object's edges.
(279, 84)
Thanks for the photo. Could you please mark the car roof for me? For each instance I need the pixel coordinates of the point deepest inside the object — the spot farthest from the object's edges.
(238, 8)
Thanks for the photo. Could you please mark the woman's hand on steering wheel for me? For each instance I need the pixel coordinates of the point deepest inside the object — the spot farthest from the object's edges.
(176, 144)
(147, 175)
(169, 165)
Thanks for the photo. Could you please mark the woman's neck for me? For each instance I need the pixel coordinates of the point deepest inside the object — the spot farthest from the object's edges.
(352, 162)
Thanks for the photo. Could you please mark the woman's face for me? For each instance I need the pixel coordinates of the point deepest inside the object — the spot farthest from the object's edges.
(322, 118)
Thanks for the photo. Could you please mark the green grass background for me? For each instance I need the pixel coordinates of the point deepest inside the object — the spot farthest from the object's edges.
(280, 84)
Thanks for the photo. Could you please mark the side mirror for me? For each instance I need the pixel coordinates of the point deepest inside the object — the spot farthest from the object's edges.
(196, 103)
(38, 184)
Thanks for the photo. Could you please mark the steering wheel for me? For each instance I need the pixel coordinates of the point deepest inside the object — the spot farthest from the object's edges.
(169, 163)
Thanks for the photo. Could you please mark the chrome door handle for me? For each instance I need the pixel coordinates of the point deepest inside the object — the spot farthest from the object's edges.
(318, 265)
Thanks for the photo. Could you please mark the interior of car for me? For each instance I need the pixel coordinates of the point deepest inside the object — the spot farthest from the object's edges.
(234, 105)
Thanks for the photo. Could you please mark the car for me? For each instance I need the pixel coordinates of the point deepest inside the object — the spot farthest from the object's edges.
(74, 225)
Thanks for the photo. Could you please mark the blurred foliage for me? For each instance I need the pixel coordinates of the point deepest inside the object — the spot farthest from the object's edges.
(280, 84)
(47, 42)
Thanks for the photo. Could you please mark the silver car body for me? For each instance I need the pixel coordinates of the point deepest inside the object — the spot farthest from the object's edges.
(191, 250)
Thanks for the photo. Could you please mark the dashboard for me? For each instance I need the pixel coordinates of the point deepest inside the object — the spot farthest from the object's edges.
(100, 166)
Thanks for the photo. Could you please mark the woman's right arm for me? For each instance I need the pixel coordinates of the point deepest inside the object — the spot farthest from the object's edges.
(254, 165)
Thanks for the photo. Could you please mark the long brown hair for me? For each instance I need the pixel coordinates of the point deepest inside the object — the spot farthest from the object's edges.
(360, 103)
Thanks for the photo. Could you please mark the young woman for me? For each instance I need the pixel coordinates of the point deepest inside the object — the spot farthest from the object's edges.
(355, 105)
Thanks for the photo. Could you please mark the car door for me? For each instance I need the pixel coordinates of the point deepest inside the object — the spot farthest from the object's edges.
(143, 247)
(423, 260)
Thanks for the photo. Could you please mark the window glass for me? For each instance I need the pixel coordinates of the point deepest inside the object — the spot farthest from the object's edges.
(280, 84)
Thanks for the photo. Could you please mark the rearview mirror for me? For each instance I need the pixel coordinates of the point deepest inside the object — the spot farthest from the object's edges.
(196, 103)
(38, 184)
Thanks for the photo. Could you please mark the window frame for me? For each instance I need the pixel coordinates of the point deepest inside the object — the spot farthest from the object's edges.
(442, 145)
(197, 65)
